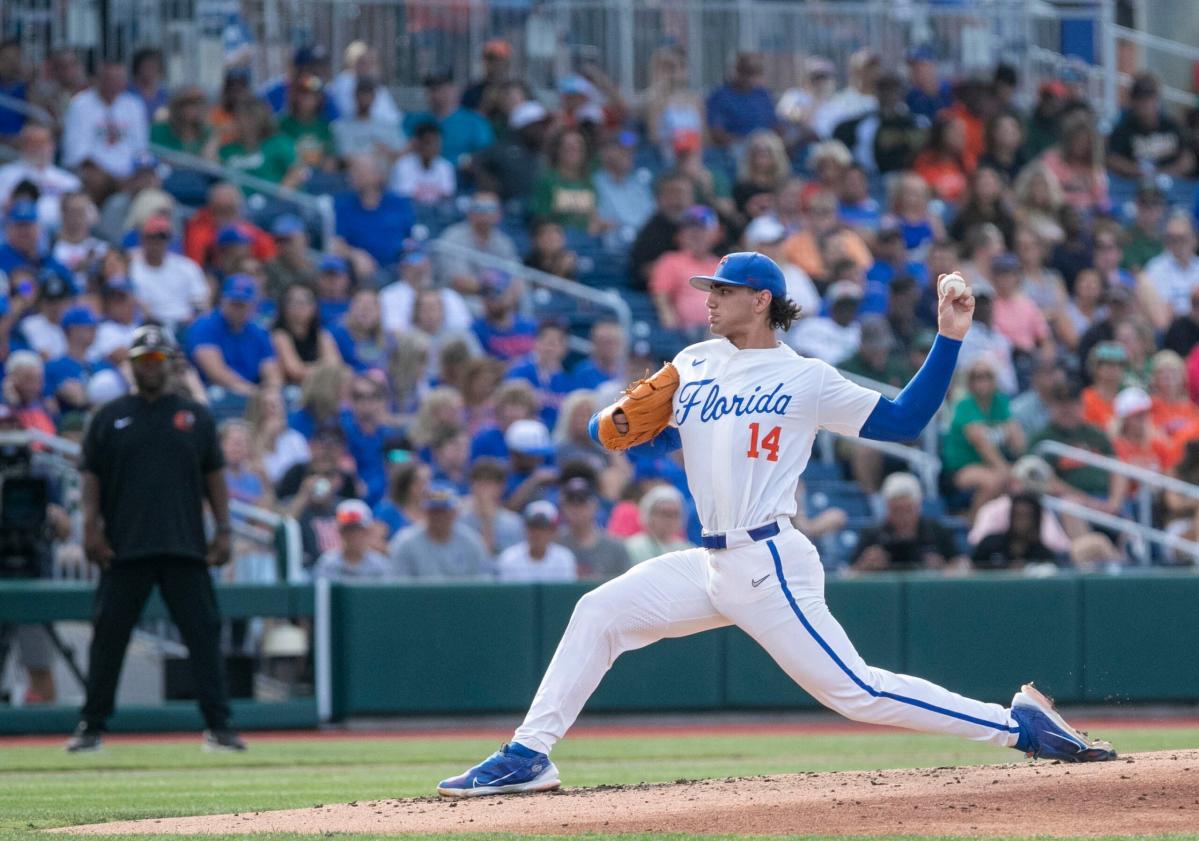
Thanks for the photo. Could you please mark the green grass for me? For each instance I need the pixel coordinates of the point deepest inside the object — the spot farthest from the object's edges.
(44, 787)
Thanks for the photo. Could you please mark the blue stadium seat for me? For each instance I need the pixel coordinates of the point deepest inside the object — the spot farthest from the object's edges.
(818, 471)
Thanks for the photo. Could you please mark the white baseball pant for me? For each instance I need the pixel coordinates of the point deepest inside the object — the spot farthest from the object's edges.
(683, 593)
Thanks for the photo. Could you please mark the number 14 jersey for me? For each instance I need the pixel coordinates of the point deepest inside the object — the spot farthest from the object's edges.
(747, 420)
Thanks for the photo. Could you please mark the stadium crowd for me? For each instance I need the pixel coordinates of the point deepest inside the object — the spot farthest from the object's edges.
(400, 400)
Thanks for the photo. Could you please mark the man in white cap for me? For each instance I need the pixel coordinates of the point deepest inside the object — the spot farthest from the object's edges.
(355, 560)
(834, 337)
(530, 474)
(766, 235)
(538, 558)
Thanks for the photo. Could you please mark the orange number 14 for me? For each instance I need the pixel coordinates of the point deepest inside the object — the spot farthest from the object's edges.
(770, 443)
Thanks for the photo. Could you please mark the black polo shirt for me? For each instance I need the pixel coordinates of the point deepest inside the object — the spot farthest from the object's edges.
(151, 459)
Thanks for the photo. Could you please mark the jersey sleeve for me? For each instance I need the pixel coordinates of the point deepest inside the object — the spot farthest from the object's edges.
(842, 406)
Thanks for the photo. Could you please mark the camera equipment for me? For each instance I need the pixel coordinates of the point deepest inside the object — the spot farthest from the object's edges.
(24, 541)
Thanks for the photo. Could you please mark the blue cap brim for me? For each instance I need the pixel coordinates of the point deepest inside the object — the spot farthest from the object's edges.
(704, 283)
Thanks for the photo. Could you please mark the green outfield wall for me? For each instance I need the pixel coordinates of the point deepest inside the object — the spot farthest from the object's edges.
(473, 648)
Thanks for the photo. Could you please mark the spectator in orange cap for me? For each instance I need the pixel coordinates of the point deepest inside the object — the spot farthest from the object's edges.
(497, 69)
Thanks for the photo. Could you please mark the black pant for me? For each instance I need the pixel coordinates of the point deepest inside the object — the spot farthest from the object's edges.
(191, 601)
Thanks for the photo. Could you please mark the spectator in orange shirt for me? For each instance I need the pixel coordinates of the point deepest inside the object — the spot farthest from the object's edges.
(680, 306)
(1173, 414)
(1108, 363)
(224, 208)
(945, 163)
(1134, 438)
(824, 240)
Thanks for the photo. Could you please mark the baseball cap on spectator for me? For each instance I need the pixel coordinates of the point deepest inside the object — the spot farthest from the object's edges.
(79, 317)
(309, 54)
(440, 76)
(765, 230)
(233, 235)
(541, 514)
(577, 490)
(526, 114)
(1033, 472)
(497, 48)
(286, 225)
(921, 52)
(239, 287)
(353, 513)
(1005, 262)
(818, 67)
(145, 160)
(494, 281)
(157, 224)
(529, 437)
(1131, 401)
(478, 204)
(54, 286)
(684, 141)
(698, 216)
(441, 497)
(333, 263)
(117, 285)
(626, 139)
(843, 290)
(22, 211)
(576, 84)
(413, 254)
(1109, 352)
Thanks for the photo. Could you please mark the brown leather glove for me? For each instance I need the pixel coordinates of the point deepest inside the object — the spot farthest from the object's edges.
(646, 407)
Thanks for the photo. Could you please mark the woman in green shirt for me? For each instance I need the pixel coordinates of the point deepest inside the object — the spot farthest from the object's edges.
(565, 192)
(304, 123)
(983, 437)
(258, 149)
(185, 129)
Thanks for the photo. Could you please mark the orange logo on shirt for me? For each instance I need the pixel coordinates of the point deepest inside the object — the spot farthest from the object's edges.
(184, 420)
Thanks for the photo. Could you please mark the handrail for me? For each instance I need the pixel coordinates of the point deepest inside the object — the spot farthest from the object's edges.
(35, 112)
(25, 437)
(924, 465)
(321, 205)
(603, 297)
(1111, 465)
(1120, 524)
(928, 436)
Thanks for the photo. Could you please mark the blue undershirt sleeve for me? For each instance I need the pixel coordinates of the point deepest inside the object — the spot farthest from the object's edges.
(667, 442)
(905, 417)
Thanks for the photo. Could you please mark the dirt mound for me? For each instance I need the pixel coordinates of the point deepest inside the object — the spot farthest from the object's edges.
(1145, 793)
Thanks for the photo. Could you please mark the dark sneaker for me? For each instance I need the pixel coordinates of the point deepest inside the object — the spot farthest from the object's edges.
(222, 740)
(85, 740)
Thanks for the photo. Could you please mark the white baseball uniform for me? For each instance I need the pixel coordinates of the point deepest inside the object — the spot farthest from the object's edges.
(747, 420)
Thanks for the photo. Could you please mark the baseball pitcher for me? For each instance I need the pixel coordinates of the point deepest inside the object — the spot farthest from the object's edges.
(745, 409)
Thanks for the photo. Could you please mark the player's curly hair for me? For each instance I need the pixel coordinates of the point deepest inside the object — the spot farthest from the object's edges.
(783, 312)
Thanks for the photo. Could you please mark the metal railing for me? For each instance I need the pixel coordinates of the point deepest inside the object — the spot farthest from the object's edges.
(1147, 480)
(607, 299)
(30, 110)
(925, 466)
(1121, 525)
(318, 206)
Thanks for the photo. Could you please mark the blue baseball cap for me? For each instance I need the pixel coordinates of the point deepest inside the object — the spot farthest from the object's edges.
(233, 235)
(494, 281)
(698, 215)
(117, 284)
(79, 317)
(441, 496)
(239, 287)
(333, 263)
(287, 225)
(23, 210)
(145, 160)
(921, 52)
(745, 268)
(414, 254)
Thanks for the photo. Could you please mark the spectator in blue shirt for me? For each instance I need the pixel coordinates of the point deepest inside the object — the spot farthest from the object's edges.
(372, 223)
(12, 83)
(514, 401)
(22, 247)
(891, 258)
(531, 474)
(450, 458)
(543, 368)
(608, 357)
(740, 105)
(625, 200)
(66, 377)
(367, 435)
(310, 60)
(501, 332)
(230, 350)
(464, 133)
(333, 289)
(929, 93)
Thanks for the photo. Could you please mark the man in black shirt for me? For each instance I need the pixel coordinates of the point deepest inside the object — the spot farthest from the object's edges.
(905, 540)
(149, 461)
(1147, 141)
(674, 193)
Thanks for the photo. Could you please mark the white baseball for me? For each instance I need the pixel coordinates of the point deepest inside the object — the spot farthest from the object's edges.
(953, 285)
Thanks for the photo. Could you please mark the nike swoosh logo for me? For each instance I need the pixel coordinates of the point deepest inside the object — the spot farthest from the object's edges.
(475, 784)
(695, 362)
(759, 581)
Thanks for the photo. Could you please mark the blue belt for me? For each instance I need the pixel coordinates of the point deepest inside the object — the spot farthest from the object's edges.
(717, 541)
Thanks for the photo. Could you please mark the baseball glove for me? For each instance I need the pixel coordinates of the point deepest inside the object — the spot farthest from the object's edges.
(646, 406)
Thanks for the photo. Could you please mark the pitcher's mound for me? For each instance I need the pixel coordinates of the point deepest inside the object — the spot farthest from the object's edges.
(1140, 794)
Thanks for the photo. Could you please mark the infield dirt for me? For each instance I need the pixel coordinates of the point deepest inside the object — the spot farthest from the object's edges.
(1141, 794)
